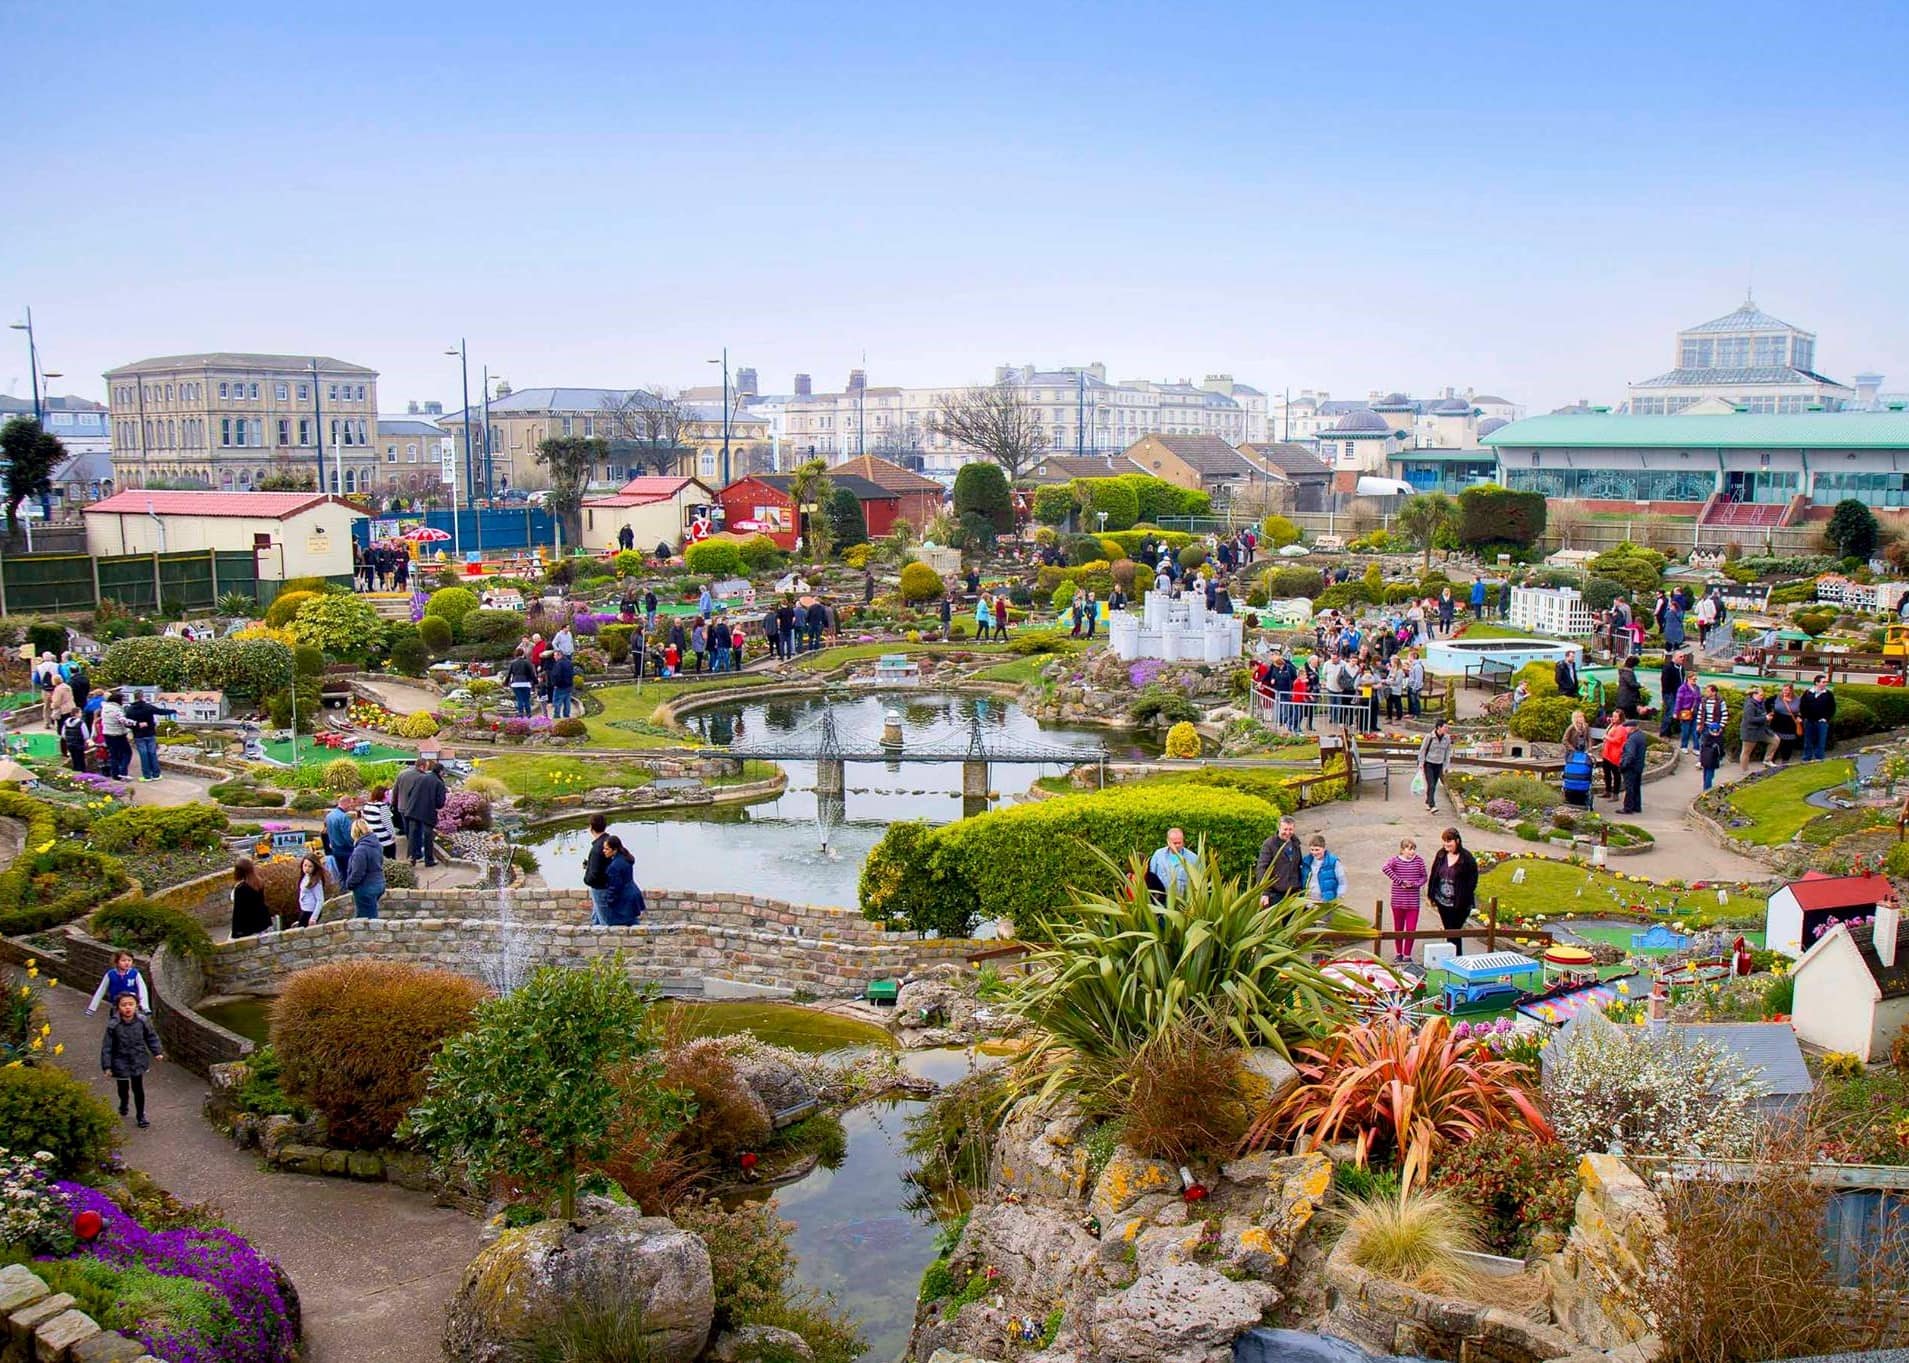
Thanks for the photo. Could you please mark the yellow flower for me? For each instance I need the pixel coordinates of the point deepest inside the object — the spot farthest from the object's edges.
(46, 846)
(26, 991)
(59, 1048)
(1623, 988)
(13, 1064)
(33, 967)
(36, 1044)
(46, 1029)
(52, 984)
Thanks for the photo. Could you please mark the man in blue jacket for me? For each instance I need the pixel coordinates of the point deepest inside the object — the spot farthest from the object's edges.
(338, 837)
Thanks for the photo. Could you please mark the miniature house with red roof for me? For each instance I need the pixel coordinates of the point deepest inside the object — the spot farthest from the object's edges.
(1852, 986)
(1799, 912)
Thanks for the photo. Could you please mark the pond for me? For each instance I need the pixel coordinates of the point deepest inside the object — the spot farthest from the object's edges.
(775, 847)
(250, 1017)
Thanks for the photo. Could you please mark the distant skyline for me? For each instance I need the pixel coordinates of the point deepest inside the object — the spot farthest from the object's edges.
(1530, 200)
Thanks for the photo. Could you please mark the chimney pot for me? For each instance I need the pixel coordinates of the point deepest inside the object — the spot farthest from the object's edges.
(1886, 927)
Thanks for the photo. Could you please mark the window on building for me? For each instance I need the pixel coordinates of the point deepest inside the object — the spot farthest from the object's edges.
(1768, 352)
(225, 430)
(1733, 352)
(1696, 354)
(304, 430)
(284, 431)
(172, 435)
(168, 392)
(304, 391)
(411, 452)
(1803, 354)
(282, 392)
(566, 425)
(1760, 406)
(364, 437)
(334, 432)
(331, 391)
(221, 390)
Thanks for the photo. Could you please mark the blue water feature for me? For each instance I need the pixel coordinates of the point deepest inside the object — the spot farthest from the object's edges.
(1261, 1345)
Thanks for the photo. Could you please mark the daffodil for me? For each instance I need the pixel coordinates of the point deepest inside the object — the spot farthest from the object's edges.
(35, 1044)
(59, 1048)
(52, 984)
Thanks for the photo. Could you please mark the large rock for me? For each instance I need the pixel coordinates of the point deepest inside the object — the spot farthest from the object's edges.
(613, 1257)
(774, 1080)
(760, 1344)
(1040, 1155)
(1180, 1313)
(1269, 1075)
(1131, 1187)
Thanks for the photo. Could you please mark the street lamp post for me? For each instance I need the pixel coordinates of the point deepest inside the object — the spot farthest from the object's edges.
(318, 425)
(724, 362)
(490, 487)
(33, 363)
(470, 463)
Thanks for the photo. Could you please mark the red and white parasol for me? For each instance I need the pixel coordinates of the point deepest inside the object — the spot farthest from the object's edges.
(425, 534)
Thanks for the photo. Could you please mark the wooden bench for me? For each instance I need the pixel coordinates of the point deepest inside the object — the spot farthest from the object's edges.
(1491, 674)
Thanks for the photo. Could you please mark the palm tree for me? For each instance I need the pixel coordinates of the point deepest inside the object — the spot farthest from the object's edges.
(1424, 515)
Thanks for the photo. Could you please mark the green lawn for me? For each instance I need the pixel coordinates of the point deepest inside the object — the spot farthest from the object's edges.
(830, 658)
(543, 776)
(1556, 889)
(632, 705)
(1489, 630)
(280, 750)
(1019, 671)
(1776, 805)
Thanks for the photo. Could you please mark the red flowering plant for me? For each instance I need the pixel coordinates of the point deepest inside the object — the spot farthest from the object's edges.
(1517, 1185)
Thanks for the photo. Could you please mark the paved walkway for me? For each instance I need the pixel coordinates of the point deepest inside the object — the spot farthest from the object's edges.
(374, 1264)
(402, 698)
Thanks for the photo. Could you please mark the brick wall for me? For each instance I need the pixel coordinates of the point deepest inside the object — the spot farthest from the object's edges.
(685, 942)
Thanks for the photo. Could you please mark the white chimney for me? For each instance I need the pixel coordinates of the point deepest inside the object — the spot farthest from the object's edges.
(1887, 925)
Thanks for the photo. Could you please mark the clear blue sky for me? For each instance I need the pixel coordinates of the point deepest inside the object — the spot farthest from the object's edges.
(1528, 198)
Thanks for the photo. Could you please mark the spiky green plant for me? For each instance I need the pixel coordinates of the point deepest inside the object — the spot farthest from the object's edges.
(1120, 970)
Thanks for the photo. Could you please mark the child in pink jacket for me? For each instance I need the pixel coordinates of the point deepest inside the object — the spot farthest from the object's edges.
(1407, 873)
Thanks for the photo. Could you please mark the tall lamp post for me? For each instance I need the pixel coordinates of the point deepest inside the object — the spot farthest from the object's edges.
(33, 363)
(318, 426)
(724, 362)
(470, 463)
(490, 472)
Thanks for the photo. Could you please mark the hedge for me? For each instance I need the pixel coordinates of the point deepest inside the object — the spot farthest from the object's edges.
(242, 667)
(54, 880)
(1490, 514)
(1156, 497)
(155, 828)
(1131, 540)
(1544, 718)
(1115, 496)
(1023, 862)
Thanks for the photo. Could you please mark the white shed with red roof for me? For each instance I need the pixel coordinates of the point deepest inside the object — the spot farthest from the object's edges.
(1799, 911)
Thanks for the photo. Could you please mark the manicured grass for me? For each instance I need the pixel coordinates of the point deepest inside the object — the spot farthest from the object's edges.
(1775, 805)
(540, 776)
(830, 658)
(1018, 672)
(631, 705)
(308, 751)
(1556, 889)
(1488, 630)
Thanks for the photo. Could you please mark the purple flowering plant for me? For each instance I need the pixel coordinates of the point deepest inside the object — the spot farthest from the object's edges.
(247, 1281)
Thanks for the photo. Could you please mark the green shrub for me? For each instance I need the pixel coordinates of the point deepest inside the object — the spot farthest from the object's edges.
(1159, 703)
(45, 1108)
(1544, 718)
(1286, 582)
(285, 605)
(1115, 496)
(245, 793)
(489, 626)
(714, 558)
(1637, 570)
(1853, 719)
(244, 668)
(615, 640)
(435, 633)
(158, 828)
(1053, 504)
(568, 727)
(1191, 556)
(1516, 1187)
(451, 604)
(141, 925)
(1276, 532)
(344, 625)
(343, 776)
(1489, 514)
(981, 489)
(759, 554)
(919, 582)
(410, 657)
(355, 1040)
(1344, 596)
(1021, 862)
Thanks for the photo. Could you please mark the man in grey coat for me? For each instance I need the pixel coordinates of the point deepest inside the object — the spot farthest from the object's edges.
(417, 795)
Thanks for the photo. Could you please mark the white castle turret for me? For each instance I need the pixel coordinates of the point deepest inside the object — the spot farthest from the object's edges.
(1176, 630)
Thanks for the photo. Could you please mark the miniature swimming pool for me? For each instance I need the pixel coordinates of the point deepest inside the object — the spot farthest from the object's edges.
(1451, 657)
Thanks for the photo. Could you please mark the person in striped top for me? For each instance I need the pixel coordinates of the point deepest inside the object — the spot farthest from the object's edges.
(1407, 873)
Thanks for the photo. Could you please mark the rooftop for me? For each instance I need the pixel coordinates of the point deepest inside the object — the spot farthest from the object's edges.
(1710, 378)
(1295, 461)
(1207, 455)
(273, 506)
(646, 490)
(48, 403)
(241, 359)
(407, 425)
(1815, 891)
(1737, 430)
(863, 489)
(886, 473)
(1747, 317)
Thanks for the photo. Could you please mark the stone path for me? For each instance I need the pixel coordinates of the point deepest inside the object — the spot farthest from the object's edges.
(401, 698)
(374, 1264)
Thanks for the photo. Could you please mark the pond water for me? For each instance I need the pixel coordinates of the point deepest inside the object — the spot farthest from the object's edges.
(775, 847)
(807, 1030)
(249, 1017)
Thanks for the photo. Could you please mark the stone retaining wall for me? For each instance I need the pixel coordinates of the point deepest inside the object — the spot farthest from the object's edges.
(701, 908)
(697, 944)
(176, 983)
(1594, 1281)
(46, 1325)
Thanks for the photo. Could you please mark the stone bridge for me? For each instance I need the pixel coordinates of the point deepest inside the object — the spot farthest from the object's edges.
(699, 945)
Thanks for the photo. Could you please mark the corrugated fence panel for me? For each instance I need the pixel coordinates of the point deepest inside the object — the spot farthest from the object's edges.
(128, 579)
(52, 583)
(1861, 1223)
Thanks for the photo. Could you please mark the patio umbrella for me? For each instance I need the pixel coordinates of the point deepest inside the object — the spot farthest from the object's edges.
(425, 534)
(13, 771)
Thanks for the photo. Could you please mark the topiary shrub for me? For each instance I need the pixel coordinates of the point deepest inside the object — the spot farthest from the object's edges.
(141, 925)
(1183, 740)
(489, 626)
(435, 633)
(45, 1108)
(568, 727)
(919, 582)
(355, 1040)
(410, 657)
(1544, 718)
(417, 724)
(759, 554)
(714, 558)
(451, 604)
(1276, 532)
(158, 828)
(343, 625)
(284, 606)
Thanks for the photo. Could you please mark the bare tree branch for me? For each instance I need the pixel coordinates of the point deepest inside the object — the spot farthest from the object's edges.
(648, 427)
(996, 421)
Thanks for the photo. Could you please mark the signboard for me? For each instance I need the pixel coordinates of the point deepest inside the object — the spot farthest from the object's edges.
(290, 842)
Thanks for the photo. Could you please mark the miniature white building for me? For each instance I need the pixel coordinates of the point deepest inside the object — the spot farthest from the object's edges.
(1871, 596)
(1176, 630)
(193, 707)
(1794, 914)
(1852, 987)
(1557, 611)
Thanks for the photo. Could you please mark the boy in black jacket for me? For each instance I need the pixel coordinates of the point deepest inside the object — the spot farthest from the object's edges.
(127, 1051)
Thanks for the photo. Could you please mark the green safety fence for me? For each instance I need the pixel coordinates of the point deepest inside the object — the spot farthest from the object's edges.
(45, 584)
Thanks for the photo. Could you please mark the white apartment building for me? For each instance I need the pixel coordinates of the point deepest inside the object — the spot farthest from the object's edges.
(1078, 409)
(1449, 420)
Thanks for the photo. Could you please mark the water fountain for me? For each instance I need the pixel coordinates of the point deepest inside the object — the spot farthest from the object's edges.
(510, 965)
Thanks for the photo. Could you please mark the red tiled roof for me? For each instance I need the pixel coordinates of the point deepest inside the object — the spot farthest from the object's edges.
(275, 506)
(643, 491)
(1840, 892)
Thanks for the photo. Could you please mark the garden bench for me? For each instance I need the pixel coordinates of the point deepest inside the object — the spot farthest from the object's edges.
(1491, 674)
(1362, 767)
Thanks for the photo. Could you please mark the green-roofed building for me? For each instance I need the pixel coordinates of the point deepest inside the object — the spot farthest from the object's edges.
(1735, 468)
